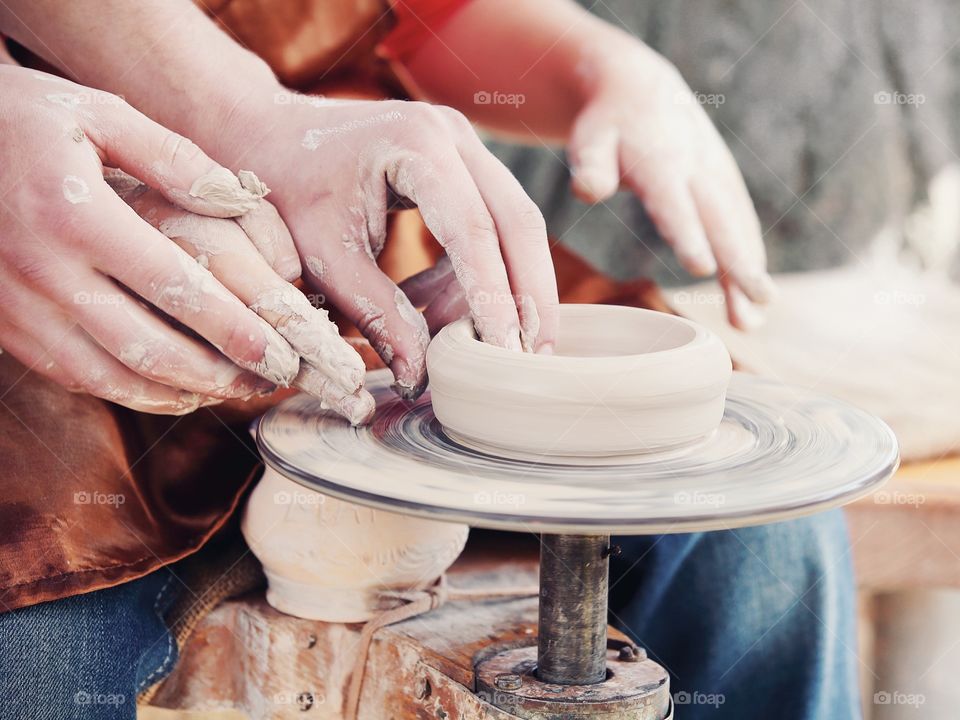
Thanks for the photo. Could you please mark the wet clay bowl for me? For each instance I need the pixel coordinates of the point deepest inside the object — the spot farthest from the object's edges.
(622, 381)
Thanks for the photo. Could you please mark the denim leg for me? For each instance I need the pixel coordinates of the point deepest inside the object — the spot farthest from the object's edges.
(751, 623)
(86, 656)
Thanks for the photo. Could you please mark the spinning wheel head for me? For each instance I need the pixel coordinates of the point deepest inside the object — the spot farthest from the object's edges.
(779, 452)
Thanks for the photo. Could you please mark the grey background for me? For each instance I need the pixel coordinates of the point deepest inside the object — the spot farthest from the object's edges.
(827, 166)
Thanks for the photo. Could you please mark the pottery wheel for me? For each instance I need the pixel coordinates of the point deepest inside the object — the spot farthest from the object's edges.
(780, 452)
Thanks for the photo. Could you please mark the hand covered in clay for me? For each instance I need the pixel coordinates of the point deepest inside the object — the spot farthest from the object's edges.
(337, 167)
(642, 127)
(330, 369)
(95, 297)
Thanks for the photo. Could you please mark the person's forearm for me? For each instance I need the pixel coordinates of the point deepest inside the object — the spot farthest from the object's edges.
(164, 56)
(517, 66)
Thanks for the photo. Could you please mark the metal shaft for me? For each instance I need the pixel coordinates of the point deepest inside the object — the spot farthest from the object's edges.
(574, 573)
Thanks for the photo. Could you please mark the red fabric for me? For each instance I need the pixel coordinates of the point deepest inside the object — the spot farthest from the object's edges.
(416, 22)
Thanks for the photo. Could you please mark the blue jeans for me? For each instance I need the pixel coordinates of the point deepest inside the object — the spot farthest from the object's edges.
(753, 623)
(87, 656)
(750, 623)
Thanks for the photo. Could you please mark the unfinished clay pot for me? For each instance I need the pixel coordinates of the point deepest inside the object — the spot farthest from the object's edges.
(326, 559)
(621, 381)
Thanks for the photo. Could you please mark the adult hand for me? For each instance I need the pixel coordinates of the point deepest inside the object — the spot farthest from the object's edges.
(337, 167)
(89, 289)
(330, 369)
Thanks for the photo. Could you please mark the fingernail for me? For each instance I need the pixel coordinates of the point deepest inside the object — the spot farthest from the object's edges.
(545, 349)
(761, 288)
(593, 183)
(701, 263)
(289, 268)
(748, 315)
(410, 383)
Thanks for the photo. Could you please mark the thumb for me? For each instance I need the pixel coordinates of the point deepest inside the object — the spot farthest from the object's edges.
(593, 151)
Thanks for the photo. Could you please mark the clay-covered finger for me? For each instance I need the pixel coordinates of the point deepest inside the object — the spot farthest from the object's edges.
(145, 261)
(454, 211)
(382, 313)
(262, 224)
(270, 236)
(523, 244)
(150, 347)
(358, 407)
(226, 251)
(58, 348)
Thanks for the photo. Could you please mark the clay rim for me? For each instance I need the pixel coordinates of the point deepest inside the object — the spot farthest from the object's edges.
(461, 337)
(690, 371)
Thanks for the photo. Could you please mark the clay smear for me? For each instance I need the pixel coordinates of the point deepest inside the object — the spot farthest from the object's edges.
(76, 190)
(228, 193)
(311, 332)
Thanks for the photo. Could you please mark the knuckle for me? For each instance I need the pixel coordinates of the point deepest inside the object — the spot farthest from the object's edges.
(530, 222)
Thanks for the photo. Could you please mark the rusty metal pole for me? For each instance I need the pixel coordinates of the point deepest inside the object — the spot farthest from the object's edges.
(574, 575)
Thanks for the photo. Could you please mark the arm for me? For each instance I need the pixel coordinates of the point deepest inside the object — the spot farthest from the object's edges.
(626, 116)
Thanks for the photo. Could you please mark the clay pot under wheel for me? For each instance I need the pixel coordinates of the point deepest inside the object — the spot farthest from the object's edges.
(326, 559)
(622, 380)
